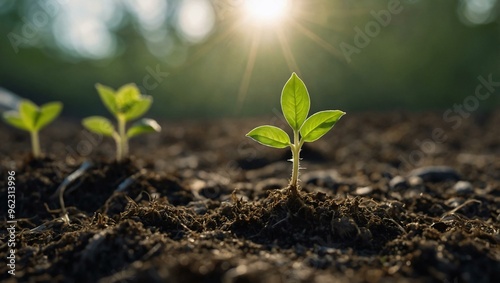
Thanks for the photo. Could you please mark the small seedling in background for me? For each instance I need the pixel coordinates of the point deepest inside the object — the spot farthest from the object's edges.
(126, 104)
(31, 118)
(295, 104)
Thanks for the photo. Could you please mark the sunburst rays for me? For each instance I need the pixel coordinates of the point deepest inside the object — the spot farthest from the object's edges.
(294, 24)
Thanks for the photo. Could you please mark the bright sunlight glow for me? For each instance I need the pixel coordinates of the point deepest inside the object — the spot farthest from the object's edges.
(266, 11)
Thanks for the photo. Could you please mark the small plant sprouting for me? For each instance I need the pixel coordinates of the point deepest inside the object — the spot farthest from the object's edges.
(126, 104)
(295, 104)
(29, 117)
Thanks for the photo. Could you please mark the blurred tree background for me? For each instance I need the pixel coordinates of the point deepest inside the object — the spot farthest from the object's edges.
(227, 58)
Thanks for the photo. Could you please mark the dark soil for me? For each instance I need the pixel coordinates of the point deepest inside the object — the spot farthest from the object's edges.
(202, 203)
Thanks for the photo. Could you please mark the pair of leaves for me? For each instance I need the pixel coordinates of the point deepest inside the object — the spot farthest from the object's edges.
(103, 126)
(30, 117)
(313, 128)
(295, 104)
(126, 102)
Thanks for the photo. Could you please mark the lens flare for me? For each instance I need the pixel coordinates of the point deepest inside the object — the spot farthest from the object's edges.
(267, 11)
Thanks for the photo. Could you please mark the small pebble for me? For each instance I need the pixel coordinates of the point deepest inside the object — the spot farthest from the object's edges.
(412, 193)
(415, 181)
(435, 174)
(453, 202)
(363, 191)
(463, 187)
(398, 182)
(327, 179)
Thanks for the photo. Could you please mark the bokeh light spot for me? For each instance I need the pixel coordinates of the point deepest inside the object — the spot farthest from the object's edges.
(477, 12)
(196, 20)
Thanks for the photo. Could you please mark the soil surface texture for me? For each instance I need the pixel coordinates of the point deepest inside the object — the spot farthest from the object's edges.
(391, 197)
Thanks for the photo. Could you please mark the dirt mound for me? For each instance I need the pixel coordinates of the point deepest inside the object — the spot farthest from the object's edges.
(217, 209)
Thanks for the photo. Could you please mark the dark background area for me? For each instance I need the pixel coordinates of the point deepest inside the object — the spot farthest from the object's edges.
(428, 56)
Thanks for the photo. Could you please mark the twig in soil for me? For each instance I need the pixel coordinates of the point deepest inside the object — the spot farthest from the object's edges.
(74, 187)
(129, 181)
(367, 202)
(39, 228)
(68, 180)
(106, 205)
(52, 211)
(131, 202)
(460, 207)
(397, 224)
(282, 220)
(121, 188)
(152, 251)
(49, 224)
(72, 177)
(183, 225)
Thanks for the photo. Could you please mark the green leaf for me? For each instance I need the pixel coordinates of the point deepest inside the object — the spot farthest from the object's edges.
(143, 126)
(29, 113)
(99, 125)
(126, 97)
(270, 136)
(319, 124)
(48, 112)
(295, 102)
(138, 109)
(13, 118)
(108, 98)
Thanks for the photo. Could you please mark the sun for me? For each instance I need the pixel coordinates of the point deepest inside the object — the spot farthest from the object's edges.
(267, 11)
(263, 21)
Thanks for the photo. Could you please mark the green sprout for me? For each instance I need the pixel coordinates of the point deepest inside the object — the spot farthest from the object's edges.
(126, 104)
(29, 117)
(295, 104)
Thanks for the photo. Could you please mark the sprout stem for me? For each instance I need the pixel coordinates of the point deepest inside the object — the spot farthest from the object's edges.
(35, 144)
(123, 141)
(119, 152)
(295, 160)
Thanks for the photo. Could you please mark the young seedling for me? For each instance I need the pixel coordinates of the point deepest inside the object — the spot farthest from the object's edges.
(29, 117)
(295, 104)
(126, 104)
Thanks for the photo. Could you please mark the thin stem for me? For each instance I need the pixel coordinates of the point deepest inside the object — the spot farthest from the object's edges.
(123, 144)
(295, 160)
(35, 144)
(119, 152)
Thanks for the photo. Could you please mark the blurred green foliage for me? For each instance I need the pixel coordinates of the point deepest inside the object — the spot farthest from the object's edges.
(428, 56)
